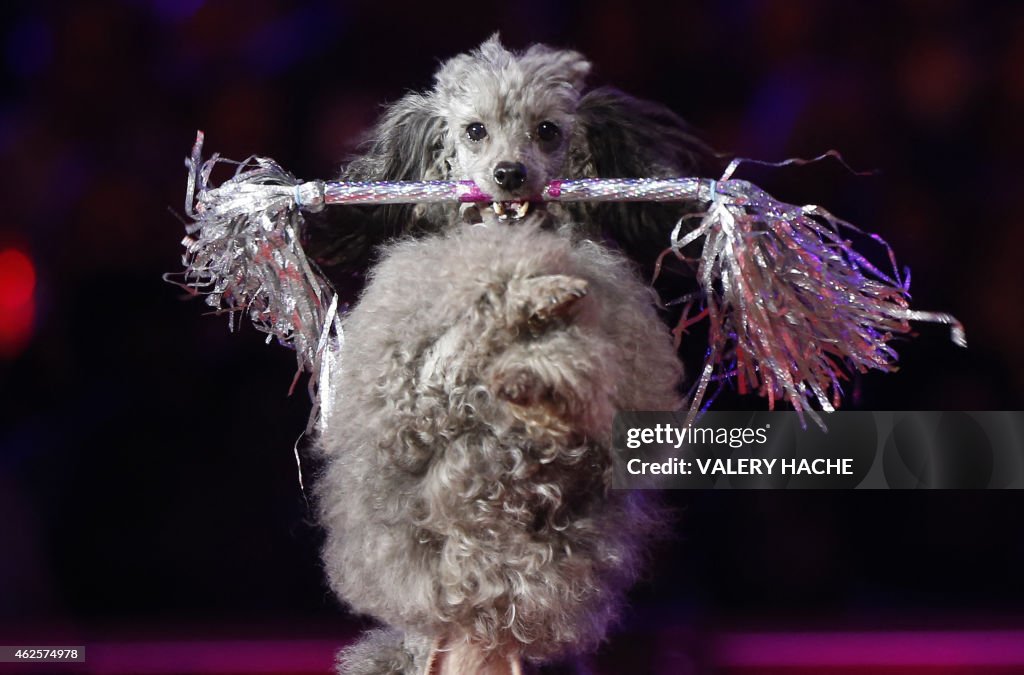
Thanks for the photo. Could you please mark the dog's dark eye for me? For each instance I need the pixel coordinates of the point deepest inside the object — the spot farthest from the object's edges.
(476, 131)
(547, 131)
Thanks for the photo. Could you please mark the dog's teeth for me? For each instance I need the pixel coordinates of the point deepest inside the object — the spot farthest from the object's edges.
(511, 209)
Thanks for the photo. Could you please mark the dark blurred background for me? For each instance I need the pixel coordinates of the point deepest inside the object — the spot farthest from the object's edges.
(148, 486)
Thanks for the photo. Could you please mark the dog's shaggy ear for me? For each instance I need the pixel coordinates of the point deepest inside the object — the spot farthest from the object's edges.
(406, 144)
(619, 136)
(627, 137)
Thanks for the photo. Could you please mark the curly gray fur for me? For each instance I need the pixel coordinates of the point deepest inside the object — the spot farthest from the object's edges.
(599, 133)
(467, 494)
(382, 652)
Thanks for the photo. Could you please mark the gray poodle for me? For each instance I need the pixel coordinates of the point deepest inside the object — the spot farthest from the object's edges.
(467, 493)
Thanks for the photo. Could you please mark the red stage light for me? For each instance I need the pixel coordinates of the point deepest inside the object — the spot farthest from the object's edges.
(17, 301)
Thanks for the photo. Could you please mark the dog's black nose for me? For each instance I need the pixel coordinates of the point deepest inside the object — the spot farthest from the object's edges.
(510, 175)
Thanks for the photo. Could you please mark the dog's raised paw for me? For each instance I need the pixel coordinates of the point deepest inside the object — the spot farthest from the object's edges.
(541, 300)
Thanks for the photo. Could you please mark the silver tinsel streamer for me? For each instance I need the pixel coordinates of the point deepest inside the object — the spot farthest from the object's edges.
(791, 303)
(243, 252)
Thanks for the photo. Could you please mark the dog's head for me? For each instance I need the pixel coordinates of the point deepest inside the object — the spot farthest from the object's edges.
(514, 121)
(509, 118)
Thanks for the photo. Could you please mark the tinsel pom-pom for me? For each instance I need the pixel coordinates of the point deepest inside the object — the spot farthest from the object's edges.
(243, 252)
(791, 303)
